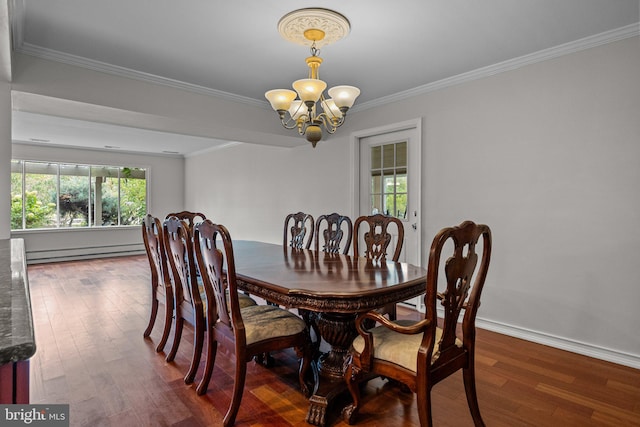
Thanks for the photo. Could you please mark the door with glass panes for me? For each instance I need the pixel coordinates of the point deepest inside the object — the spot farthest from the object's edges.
(389, 184)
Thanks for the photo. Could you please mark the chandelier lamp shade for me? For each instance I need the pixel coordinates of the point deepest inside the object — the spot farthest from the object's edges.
(306, 108)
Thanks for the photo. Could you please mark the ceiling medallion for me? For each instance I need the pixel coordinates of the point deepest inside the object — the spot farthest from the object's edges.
(293, 25)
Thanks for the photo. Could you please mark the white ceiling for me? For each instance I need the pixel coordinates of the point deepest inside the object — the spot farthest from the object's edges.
(233, 48)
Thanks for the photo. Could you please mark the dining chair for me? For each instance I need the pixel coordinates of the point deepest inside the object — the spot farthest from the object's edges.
(161, 289)
(248, 331)
(192, 218)
(421, 354)
(188, 303)
(375, 231)
(333, 228)
(298, 230)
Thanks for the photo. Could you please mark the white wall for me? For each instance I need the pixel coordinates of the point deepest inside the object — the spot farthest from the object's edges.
(165, 194)
(547, 155)
(251, 188)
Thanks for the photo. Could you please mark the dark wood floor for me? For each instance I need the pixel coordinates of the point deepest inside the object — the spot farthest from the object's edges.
(89, 317)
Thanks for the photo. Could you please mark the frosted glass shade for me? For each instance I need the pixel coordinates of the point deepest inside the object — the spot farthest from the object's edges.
(280, 99)
(297, 109)
(329, 106)
(309, 89)
(344, 96)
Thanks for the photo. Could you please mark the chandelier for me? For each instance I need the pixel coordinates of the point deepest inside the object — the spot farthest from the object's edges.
(307, 108)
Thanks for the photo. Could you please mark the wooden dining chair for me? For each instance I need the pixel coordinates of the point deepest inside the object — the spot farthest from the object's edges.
(192, 218)
(161, 289)
(188, 303)
(298, 230)
(336, 231)
(421, 354)
(375, 231)
(248, 331)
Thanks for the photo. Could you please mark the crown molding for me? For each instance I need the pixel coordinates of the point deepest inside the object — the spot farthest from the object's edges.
(17, 18)
(66, 58)
(511, 64)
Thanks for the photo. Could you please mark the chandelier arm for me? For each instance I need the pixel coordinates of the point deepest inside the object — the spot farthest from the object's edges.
(336, 122)
(327, 123)
(302, 126)
(288, 122)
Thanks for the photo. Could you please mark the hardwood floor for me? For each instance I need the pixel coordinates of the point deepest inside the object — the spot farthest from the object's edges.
(89, 317)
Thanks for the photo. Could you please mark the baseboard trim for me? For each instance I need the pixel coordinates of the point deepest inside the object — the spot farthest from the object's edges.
(562, 343)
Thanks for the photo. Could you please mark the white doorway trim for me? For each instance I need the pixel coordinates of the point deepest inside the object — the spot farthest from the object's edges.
(355, 155)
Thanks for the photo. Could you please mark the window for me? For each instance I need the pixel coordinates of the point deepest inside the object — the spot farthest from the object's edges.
(389, 179)
(65, 195)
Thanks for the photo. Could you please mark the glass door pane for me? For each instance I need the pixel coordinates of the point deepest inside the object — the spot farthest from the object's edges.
(389, 179)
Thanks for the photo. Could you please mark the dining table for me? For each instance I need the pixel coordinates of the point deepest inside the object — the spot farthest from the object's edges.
(336, 287)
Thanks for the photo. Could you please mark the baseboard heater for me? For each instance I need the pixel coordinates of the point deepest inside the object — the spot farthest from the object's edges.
(75, 254)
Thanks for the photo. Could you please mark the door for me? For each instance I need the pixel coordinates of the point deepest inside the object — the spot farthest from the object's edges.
(389, 182)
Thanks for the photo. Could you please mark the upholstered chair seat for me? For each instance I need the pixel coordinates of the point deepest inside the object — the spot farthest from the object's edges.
(245, 300)
(263, 322)
(398, 348)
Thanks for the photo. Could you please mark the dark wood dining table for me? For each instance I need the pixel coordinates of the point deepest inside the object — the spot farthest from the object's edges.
(337, 287)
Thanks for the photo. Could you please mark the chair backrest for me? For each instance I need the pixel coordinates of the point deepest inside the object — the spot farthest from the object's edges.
(178, 245)
(377, 238)
(214, 254)
(192, 218)
(337, 228)
(460, 293)
(152, 236)
(300, 233)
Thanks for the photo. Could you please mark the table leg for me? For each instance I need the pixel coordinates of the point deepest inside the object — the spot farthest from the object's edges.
(338, 330)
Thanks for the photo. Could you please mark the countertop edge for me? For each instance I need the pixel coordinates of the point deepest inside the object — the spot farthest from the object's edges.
(17, 338)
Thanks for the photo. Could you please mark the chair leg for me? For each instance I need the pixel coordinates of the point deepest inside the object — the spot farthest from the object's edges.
(350, 412)
(310, 319)
(168, 320)
(212, 349)
(152, 316)
(423, 401)
(238, 388)
(393, 312)
(468, 375)
(198, 340)
(306, 357)
(177, 335)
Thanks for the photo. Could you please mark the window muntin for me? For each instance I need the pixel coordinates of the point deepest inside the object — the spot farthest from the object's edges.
(389, 179)
(63, 195)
